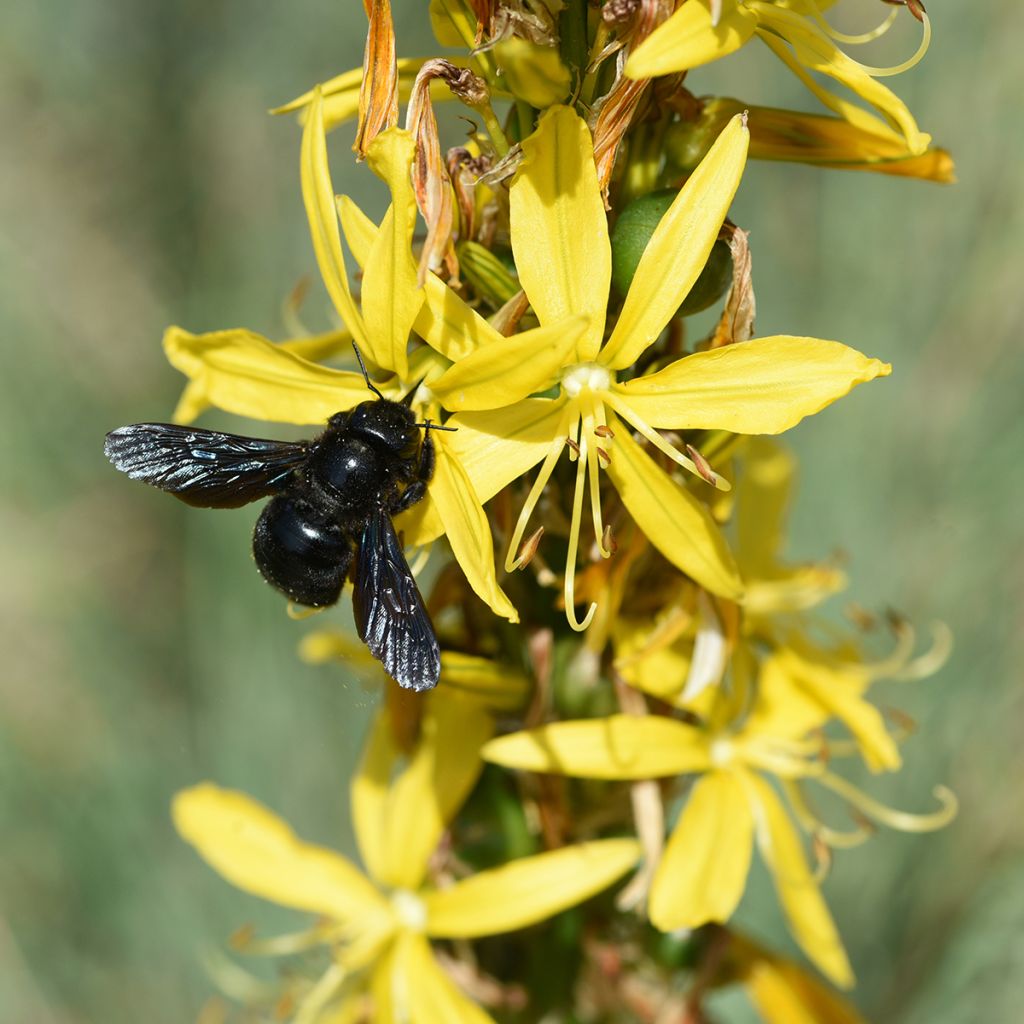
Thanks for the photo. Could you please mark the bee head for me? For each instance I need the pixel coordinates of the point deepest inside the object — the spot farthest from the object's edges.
(386, 424)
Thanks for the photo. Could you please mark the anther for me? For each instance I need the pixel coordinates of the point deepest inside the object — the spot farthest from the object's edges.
(603, 430)
(573, 445)
(702, 464)
(529, 548)
(608, 542)
(603, 455)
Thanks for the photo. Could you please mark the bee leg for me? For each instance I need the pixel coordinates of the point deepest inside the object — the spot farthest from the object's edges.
(413, 493)
(424, 471)
(428, 456)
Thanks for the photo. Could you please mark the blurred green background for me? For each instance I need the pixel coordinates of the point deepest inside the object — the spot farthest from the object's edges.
(142, 184)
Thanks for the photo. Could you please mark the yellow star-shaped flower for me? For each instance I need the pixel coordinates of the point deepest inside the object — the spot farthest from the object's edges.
(379, 925)
(563, 256)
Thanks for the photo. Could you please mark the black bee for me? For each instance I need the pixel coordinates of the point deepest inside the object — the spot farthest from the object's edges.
(332, 502)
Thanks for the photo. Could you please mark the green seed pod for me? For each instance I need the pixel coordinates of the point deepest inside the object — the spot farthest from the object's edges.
(633, 231)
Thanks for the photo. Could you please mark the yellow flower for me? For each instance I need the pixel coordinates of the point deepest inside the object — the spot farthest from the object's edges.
(379, 924)
(797, 33)
(731, 805)
(562, 252)
(244, 373)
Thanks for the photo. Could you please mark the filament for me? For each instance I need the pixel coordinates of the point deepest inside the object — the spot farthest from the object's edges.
(853, 40)
(778, 19)
(933, 659)
(811, 823)
(902, 821)
(658, 441)
(512, 560)
(324, 990)
(574, 540)
(595, 412)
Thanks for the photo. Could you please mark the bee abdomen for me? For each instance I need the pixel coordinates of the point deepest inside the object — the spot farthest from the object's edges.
(305, 556)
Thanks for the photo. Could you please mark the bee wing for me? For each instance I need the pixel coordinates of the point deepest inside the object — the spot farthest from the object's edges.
(204, 468)
(389, 611)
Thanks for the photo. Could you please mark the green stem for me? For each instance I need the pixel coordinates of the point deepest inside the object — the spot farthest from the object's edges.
(493, 126)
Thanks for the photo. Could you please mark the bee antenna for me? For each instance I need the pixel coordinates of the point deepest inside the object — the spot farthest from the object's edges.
(366, 376)
(427, 425)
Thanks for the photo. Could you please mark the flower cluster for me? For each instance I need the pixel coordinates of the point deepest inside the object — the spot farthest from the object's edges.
(653, 692)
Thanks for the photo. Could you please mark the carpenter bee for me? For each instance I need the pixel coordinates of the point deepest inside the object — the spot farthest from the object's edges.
(332, 500)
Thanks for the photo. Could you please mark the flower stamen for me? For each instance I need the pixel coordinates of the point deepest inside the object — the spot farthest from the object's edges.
(574, 543)
(546, 469)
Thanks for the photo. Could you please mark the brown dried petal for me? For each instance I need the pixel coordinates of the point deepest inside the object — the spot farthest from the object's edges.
(378, 93)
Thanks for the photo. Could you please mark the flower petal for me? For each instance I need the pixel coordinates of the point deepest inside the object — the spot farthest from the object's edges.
(523, 892)
(763, 386)
(433, 998)
(468, 531)
(445, 321)
(511, 369)
(258, 852)
(616, 747)
(391, 296)
(678, 525)
(689, 38)
(368, 793)
(805, 908)
(497, 686)
(815, 51)
(498, 447)
(242, 373)
(559, 227)
(784, 993)
(423, 799)
(532, 72)
(703, 871)
(679, 247)
(318, 196)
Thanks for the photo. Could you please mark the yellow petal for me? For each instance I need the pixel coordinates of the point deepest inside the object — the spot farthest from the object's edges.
(445, 321)
(495, 448)
(679, 247)
(805, 908)
(318, 196)
(764, 386)
(703, 871)
(528, 890)
(784, 993)
(763, 494)
(678, 525)
(689, 39)
(532, 72)
(391, 297)
(341, 93)
(559, 227)
(838, 689)
(433, 997)
(242, 373)
(468, 531)
(509, 370)
(816, 51)
(257, 851)
(368, 794)
(496, 686)
(424, 797)
(616, 747)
